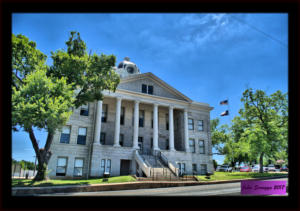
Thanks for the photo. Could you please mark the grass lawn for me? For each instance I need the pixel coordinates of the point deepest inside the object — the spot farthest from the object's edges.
(237, 175)
(54, 182)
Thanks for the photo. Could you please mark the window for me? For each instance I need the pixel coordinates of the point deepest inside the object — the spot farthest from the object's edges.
(104, 113)
(200, 125)
(65, 134)
(130, 69)
(121, 139)
(84, 110)
(167, 121)
(150, 90)
(81, 136)
(105, 166)
(122, 115)
(102, 138)
(61, 167)
(141, 118)
(203, 169)
(192, 145)
(201, 147)
(147, 89)
(191, 124)
(144, 88)
(78, 167)
(194, 168)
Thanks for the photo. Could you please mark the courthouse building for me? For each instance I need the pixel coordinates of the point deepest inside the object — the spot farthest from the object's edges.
(123, 133)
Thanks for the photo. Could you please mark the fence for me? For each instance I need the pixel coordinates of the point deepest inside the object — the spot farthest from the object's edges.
(18, 172)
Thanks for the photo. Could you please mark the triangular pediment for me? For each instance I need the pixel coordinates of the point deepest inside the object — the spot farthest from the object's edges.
(160, 88)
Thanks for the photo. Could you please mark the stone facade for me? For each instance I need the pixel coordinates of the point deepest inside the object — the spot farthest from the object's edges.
(118, 155)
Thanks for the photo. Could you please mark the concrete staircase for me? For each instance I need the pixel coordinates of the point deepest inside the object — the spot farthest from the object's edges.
(159, 171)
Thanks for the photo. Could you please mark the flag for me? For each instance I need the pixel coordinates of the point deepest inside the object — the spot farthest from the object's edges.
(225, 113)
(224, 102)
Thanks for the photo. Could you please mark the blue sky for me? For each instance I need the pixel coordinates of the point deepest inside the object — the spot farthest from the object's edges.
(207, 56)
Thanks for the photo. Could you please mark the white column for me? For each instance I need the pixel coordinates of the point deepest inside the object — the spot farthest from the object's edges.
(98, 123)
(155, 127)
(117, 123)
(136, 125)
(186, 131)
(171, 129)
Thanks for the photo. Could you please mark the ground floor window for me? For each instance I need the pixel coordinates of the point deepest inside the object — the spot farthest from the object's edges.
(105, 166)
(78, 167)
(61, 167)
(203, 169)
(194, 168)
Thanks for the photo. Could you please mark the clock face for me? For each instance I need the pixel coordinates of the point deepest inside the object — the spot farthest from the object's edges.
(130, 69)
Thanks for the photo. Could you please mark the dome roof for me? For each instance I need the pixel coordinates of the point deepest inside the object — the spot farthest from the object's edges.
(126, 67)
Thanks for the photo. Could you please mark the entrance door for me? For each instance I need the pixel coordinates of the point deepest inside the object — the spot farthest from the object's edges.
(181, 167)
(125, 167)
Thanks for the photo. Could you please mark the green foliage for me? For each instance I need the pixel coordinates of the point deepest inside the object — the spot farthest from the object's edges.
(261, 130)
(42, 102)
(267, 121)
(215, 164)
(42, 96)
(89, 74)
(25, 58)
(27, 165)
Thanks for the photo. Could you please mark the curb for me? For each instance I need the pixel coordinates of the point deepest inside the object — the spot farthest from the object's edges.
(30, 191)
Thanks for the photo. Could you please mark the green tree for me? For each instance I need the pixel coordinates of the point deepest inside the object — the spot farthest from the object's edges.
(42, 96)
(215, 164)
(266, 117)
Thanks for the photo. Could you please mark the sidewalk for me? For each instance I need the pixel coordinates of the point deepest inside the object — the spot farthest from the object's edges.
(29, 191)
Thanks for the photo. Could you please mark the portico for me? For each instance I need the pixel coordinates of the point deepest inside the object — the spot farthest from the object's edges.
(169, 110)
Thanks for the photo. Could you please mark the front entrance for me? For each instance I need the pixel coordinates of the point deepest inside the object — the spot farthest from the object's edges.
(125, 167)
(181, 167)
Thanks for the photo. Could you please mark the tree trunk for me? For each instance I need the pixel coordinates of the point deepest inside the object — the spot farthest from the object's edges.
(261, 159)
(43, 155)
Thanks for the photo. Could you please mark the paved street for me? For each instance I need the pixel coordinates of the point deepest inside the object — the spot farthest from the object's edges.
(227, 189)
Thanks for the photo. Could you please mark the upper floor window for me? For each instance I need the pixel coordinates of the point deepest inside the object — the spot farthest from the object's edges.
(81, 139)
(141, 118)
(150, 90)
(200, 125)
(65, 134)
(84, 110)
(191, 124)
(122, 119)
(104, 113)
(144, 88)
(147, 89)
